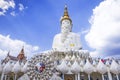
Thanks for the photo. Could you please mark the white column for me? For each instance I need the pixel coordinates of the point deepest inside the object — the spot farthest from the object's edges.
(109, 75)
(15, 77)
(34, 78)
(117, 76)
(2, 76)
(88, 76)
(63, 76)
(78, 76)
(75, 76)
(5, 77)
(102, 77)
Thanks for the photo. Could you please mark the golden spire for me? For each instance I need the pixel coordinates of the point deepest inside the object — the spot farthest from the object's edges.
(22, 50)
(66, 15)
(8, 53)
(21, 54)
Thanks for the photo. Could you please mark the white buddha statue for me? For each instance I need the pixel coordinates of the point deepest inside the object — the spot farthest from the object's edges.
(66, 39)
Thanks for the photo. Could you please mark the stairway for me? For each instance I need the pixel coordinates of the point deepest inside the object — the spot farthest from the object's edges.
(24, 77)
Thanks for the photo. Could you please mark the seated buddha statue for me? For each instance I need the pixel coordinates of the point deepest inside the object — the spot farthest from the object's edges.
(66, 39)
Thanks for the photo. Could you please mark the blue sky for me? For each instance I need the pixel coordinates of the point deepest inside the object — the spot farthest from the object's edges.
(38, 24)
(39, 20)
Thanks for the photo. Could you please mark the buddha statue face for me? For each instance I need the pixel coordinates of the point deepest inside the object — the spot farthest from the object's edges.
(66, 26)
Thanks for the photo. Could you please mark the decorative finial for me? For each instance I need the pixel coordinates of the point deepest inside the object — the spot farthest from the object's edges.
(21, 54)
(22, 50)
(65, 5)
(66, 15)
(8, 53)
(23, 47)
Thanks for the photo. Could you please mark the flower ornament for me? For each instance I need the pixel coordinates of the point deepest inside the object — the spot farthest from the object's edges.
(40, 67)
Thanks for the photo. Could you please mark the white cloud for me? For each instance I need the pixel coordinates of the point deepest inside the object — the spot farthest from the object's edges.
(85, 31)
(5, 5)
(104, 34)
(13, 13)
(6, 44)
(21, 7)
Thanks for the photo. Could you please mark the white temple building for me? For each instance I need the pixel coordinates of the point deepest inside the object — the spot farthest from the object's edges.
(65, 61)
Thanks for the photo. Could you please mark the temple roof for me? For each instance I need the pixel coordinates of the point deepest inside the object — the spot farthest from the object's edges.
(9, 57)
(13, 58)
(20, 56)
